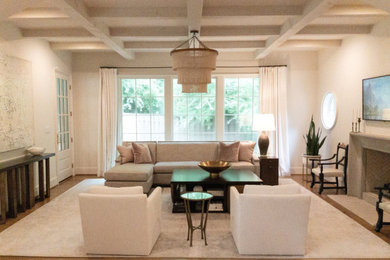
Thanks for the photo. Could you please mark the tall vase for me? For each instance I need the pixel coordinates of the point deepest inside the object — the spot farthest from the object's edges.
(307, 165)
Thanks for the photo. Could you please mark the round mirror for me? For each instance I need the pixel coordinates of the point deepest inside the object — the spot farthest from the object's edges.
(328, 110)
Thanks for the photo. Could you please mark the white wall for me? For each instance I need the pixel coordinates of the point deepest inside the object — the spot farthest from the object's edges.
(44, 63)
(341, 71)
(302, 93)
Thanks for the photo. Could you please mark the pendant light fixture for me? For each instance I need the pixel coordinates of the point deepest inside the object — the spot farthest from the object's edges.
(194, 64)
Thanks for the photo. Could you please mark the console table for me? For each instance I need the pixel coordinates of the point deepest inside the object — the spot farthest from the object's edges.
(17, 177)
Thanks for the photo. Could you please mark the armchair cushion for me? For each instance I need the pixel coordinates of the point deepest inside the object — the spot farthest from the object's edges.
(329, 172)
(278, 189)
(115, 191)
(385, 206)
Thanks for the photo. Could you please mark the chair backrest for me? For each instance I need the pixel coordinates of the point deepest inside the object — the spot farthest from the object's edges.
(260, 214)
(342, 157)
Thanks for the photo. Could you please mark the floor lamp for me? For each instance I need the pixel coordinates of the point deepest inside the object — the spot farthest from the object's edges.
(263, 123)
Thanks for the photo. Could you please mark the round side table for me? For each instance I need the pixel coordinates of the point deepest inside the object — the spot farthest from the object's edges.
(204, 197)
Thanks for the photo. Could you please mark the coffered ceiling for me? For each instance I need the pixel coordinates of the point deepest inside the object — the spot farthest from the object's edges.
(130, 26)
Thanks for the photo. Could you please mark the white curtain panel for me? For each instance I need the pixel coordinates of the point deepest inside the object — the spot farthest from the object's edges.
(273, 100)
(107, 128)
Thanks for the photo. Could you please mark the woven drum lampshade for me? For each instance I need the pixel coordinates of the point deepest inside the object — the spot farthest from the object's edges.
(194, 66)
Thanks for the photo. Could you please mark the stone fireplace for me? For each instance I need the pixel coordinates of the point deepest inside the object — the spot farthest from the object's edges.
(369, 163)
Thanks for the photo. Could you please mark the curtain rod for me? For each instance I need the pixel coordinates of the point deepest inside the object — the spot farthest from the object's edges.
(165, 67)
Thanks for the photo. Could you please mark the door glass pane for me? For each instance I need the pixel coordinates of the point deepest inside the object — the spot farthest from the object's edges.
(58, 87)
(66, 88)
(66, 105)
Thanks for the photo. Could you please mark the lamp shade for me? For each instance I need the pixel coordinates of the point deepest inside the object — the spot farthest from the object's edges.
(263, 122)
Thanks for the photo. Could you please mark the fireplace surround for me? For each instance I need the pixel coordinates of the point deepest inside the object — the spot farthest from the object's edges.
(369, 162)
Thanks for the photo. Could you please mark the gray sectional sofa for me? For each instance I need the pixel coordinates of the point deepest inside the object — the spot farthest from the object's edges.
(167, 156)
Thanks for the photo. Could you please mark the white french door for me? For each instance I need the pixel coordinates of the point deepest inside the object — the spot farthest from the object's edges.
(64, 148)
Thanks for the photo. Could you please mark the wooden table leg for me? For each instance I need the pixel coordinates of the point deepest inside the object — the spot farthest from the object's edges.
(47, 168)
(41, 181)
(30, 185)
(23, 188)
(18, 189)
(3, 197)
(12, 201)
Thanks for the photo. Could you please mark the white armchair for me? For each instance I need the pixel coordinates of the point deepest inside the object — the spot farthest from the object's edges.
(269, 220)
(120, 221)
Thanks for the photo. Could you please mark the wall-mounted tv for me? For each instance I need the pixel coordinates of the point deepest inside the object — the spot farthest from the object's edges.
(376, 98)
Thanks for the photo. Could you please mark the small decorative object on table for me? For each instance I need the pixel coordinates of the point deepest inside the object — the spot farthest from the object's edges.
(214, 167)
(36, 150)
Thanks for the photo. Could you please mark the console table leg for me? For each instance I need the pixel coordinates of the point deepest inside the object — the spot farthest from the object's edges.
(41, 181)
(12, 201)
(30, 185)
(23, 187)
(2, 197)
(47, 168)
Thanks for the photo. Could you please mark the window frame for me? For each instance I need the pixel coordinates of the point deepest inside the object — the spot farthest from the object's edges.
(168, 100)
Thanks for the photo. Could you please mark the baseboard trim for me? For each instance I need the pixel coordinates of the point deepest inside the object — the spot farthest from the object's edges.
(296, 170)
(85, 171)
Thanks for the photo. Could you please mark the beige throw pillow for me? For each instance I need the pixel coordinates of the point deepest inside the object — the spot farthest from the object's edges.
(246, 151)
(126, 154)
(141, 153)
(229, 152)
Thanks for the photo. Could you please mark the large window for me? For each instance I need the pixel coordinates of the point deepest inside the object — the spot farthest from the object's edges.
(143, 109)
(194, 114)
(154, 108)
(240, 104)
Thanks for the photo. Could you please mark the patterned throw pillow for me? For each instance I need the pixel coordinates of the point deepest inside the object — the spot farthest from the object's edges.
(229, 152)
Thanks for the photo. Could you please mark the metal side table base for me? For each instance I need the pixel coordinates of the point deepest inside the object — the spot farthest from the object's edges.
(205, 198)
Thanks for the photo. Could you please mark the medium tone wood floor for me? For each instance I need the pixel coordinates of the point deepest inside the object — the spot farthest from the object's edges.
(70, 182)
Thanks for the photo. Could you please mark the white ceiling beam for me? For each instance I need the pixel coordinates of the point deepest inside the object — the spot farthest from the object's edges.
(211, 44)
(114, 12)
(163, 31)
(311, 44)
(272, 10)
(57, 32)
(335, 29)
(312, 10)
(240, 30)
(381, 4)
(70, 46)
(78, 11)
(353, 10)
(194, 15)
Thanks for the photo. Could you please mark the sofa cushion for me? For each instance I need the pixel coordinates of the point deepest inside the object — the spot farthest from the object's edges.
(245, 152)
(152, 147)
(167, 167)
(129, 172)
(126, 154)
(243, 166)
(115, 191)
(141, 153)
(186, 151)
(277, 189)
(229, 152)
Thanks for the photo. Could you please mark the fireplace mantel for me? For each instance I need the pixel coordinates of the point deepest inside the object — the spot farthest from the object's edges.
(358, 143)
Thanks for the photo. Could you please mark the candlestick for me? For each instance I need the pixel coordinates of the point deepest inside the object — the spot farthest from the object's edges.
(359, 120)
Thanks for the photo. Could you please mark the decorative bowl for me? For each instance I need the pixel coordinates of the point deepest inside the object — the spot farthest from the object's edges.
(214, 167)
(36, 150)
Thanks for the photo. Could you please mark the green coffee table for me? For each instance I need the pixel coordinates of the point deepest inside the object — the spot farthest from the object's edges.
(185, 180)
(197, 196)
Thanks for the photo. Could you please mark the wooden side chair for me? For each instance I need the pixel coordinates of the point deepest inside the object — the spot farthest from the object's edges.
(339, 169)
(382, 206)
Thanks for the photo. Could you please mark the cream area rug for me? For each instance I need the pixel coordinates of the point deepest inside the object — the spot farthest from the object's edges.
(55, 230)
(359, 207)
